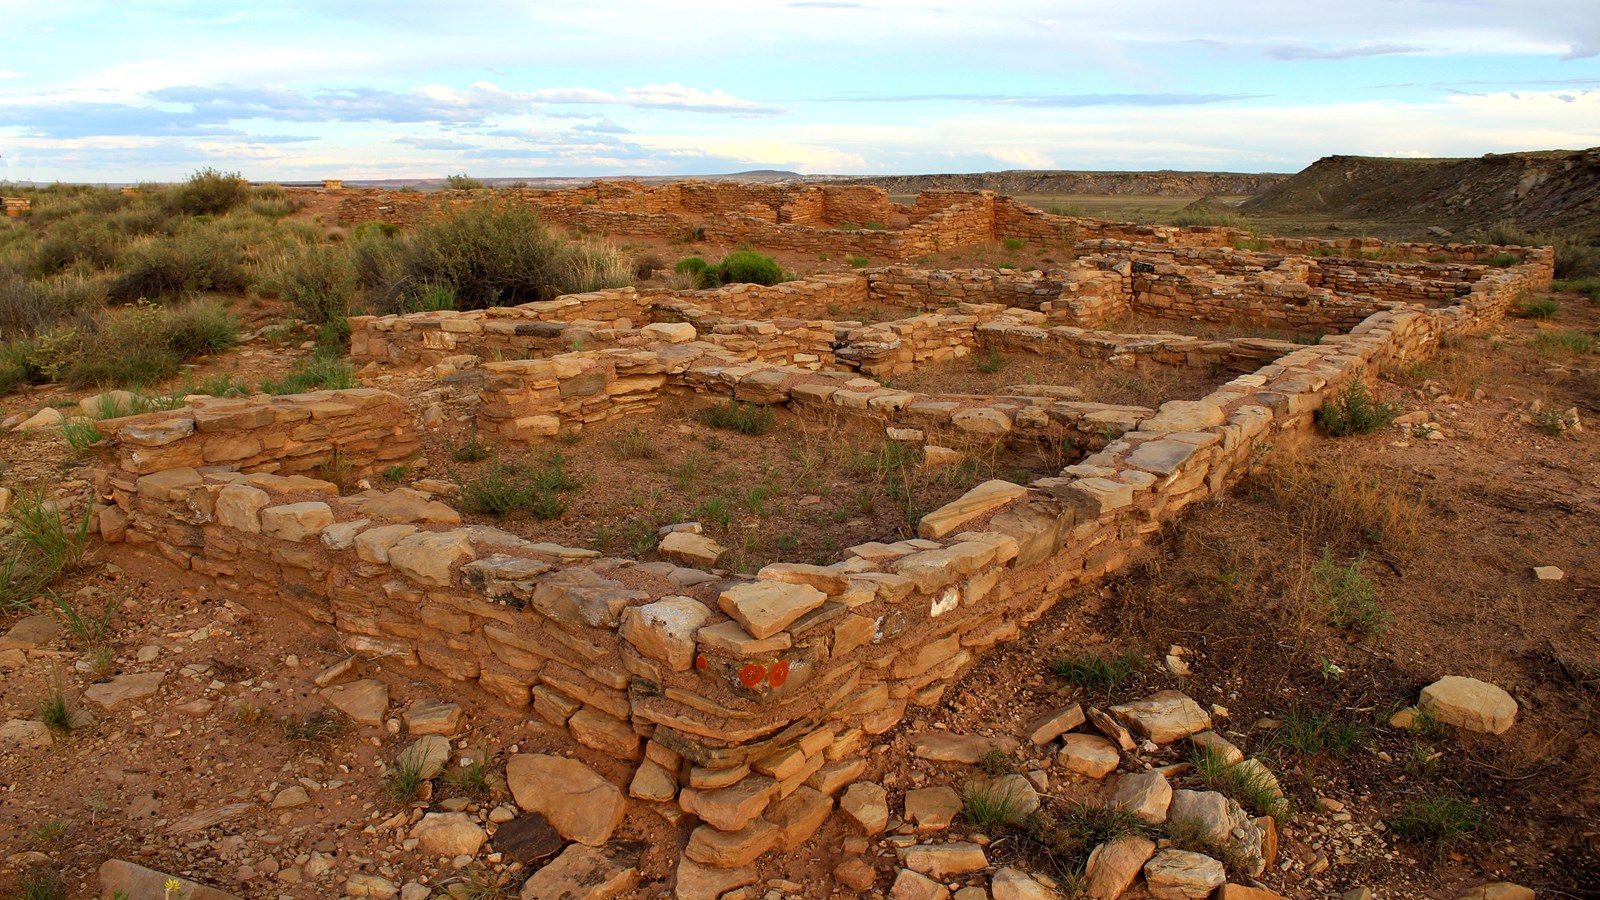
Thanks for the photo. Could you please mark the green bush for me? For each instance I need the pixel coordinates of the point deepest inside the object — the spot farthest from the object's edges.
(200, 257)
(749, 267)
(1500, 260)
(28, 305)
(463, 182)
(1566, 341)
(503, 488)
(1355, 411)
(1537, 309)
(78, 240)
(207, 192)
(318, 280)
(497, 253)
(1347, 597)
(145, 344)
(199, 328)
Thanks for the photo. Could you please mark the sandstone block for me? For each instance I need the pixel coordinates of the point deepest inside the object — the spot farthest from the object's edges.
(1470, 704)
(427, 557)
(665, 630)
(239, 506)
(765, 608)
(296, 521)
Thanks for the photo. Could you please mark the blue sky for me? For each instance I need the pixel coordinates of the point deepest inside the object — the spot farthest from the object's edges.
(297, 89)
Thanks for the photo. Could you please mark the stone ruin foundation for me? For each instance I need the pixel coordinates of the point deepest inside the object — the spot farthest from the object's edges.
(750, 701)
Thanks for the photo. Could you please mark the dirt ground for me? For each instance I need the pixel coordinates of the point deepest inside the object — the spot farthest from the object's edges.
(1450, 529)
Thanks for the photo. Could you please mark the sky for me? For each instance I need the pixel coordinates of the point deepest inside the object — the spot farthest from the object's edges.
(150, 90)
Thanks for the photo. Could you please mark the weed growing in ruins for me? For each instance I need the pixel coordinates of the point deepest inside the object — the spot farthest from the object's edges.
(404, 781)
(1544, 308)
(503, 488)
(1587, 286)
(1061, 839)
(43, 543)
(463, 182)
(745, 418)
(1566, 342)
(80, 435)
(1347, 597)
(318, 373)
(635, 444)
(1308, 733)
(996, 762)
(989, 804)
(715, 511)
(473, 450)
(1550, 421)
(1353, 410)
(1439, 822)
(395, 474)
(89, 628)
(1096, 673)
(1253, 786)
(1500, 260)
(990, 361)
(1339, 504)
(473, 779)
(320, 727)
(856, 262)
(42, 884)
(1013, 245)
(55, 713)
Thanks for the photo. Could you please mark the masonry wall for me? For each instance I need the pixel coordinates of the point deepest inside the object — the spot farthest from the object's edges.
(770, 687)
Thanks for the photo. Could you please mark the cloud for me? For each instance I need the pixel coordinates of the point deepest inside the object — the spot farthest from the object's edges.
(433, 103)
(1306, 51)
(604, 126)
(1050, 101)
(677, 96)
(825, 4)
(11, 73)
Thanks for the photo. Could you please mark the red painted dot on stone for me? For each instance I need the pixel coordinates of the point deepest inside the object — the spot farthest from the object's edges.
(700, 662)
(780, 673)
(752, 674)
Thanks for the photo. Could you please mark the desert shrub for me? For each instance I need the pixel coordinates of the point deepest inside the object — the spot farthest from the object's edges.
(646, 263)
(207, 192)
(463, 182)
(199, 328)
(991, 361)
(1499, 260)
(856, 262)
(745, 267)
(78, 240)
(1353, 410)
(493, 252)
(431, 297)
(28, 305)
(745, 418)
(198, 257)
(1012, 245)
(318, 281)
(690, 265)
(591, 267)
(1587, 286)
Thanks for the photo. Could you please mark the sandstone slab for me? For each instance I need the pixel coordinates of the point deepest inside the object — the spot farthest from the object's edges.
(123, 688)
(582, 872)
(764, 608)
(1183, 875)
(1088, 754)
(1115, 864)
(1145, 794)
(1469, 704)
(365, 700)
(449, 834)
(583, 806)
(1163, 717)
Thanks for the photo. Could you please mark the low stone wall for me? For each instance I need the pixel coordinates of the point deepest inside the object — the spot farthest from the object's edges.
(358, 430)
(533, 400)
(746, 701)
(1134, 350)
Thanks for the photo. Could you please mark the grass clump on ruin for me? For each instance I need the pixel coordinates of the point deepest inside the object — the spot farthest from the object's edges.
(320, 727)
(42, 544)
(745, 418)
(1094, 672)
(1253, 786)
(1354, 410)
(542, 490)
(319, 372)
(1439, 822)
(1059, 839)
(1566, 342)
(1347, 597)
